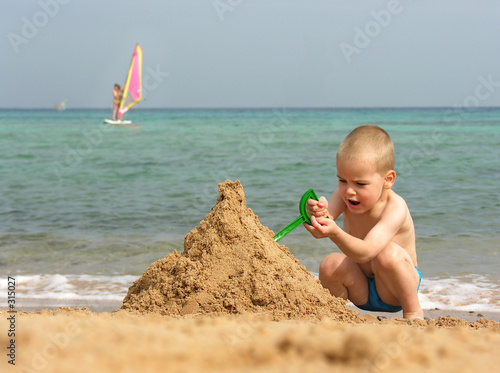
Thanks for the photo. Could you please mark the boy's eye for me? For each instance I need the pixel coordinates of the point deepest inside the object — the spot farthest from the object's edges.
(361, 184)
(341, 181)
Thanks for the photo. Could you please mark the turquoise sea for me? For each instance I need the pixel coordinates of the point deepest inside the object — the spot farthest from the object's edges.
(86, 207)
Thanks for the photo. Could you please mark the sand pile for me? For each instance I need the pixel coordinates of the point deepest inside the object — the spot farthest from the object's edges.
(232, 265)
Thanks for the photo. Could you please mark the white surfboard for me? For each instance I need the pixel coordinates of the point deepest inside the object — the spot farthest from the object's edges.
(117, 121)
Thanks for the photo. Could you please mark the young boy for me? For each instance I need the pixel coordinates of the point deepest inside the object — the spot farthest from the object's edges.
(377, 269)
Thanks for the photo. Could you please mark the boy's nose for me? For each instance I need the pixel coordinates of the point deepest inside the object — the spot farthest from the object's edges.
(350, 191)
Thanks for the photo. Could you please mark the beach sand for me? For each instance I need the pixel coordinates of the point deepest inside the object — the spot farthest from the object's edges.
(236, 301)
(79, 340)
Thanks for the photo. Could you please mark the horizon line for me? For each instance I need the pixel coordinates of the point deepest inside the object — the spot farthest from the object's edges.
(261, 108)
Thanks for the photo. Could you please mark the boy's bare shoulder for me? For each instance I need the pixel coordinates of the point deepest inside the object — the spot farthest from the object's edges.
(396, 199)
(396, 206)
(399, 211)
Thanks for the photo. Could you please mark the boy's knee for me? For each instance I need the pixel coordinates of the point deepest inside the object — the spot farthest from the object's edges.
(389, 257)
(330, 264)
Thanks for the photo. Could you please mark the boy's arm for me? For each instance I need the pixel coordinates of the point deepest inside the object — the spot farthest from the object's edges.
(336, 205)
(362, 250)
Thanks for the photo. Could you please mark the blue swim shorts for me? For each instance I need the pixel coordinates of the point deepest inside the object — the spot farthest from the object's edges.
(375, 303)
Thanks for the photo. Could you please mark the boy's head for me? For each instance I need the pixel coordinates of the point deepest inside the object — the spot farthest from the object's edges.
(368, 143)
(365, 167)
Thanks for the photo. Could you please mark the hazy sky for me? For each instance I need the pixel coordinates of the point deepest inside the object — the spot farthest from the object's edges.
(252, 53)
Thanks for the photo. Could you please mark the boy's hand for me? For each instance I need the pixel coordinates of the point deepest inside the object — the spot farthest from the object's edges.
(317, 208)
(321, 227)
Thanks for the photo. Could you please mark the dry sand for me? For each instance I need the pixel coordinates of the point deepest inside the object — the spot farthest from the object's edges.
(236, 301)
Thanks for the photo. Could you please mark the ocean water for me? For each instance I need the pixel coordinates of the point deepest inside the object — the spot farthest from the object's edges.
(86, 207)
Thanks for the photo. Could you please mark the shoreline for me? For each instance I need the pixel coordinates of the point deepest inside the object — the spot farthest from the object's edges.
(104, 306)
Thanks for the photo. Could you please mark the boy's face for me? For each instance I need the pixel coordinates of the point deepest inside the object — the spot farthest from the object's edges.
(360, 184)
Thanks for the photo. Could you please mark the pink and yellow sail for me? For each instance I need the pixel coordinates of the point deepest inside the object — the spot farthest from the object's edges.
(132, 90)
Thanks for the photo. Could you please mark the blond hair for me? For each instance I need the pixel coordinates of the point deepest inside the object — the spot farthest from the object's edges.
(368, 142)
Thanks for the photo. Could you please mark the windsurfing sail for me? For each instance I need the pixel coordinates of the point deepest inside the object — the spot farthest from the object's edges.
(132, 90)
(61, 106)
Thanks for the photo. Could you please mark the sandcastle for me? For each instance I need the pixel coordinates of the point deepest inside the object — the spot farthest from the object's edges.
(232, 265)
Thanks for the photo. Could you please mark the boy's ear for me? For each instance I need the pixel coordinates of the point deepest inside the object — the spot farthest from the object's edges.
(389, 179)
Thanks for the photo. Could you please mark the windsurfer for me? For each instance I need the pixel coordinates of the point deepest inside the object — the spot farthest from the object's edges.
(117, 96)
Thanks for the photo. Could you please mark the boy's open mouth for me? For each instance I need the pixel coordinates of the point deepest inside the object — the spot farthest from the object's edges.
(353, 203)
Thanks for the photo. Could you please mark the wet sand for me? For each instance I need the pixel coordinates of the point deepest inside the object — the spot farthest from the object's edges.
(34, 305)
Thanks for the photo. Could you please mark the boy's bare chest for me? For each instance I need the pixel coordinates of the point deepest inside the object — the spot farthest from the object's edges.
(359, 225)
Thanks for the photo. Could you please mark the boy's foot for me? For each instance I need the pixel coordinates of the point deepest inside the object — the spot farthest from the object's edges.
(419, 315)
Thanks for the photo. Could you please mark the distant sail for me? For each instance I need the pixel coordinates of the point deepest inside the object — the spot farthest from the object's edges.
(132, 90)
(61, 106)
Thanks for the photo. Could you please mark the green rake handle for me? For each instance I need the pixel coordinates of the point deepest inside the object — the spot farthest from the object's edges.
(303, 218)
